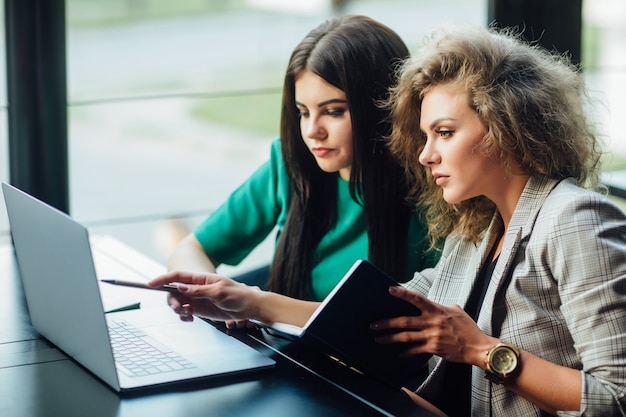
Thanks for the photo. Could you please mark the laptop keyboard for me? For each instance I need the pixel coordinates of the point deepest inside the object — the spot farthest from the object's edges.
(137, 354)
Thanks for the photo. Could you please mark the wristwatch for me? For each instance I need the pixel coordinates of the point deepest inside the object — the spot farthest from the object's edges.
(503, 363)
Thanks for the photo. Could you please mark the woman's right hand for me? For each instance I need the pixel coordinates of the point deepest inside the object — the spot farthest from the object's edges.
(210, 296)
(241, 324)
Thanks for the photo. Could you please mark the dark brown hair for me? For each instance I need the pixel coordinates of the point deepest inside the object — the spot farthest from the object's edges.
(359, 56)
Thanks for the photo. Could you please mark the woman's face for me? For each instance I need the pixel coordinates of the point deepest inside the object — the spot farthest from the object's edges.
(453, 131)
(325, 123)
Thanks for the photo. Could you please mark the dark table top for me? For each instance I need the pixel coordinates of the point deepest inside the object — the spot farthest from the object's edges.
(37, 379)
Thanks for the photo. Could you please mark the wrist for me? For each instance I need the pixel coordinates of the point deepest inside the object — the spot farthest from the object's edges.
(271, 307)
(479, 358)
(260, 306)
(502, 363)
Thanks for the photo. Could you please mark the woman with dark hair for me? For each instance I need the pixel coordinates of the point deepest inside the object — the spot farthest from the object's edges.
(330, 186)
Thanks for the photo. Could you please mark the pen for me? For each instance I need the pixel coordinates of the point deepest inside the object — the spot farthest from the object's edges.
(136, 284)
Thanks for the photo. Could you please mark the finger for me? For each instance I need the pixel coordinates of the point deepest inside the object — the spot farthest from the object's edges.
(415, 298)
(168, 278)
(417, 349)
(175, 300)
(174, 303)
(414, 337)
(238, 324)
(185, 312)
(243, 324)
(182, 277)
(402, 323)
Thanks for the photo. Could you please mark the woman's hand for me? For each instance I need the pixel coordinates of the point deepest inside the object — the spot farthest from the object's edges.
(241, 324)
(210, 296)
(445, 331)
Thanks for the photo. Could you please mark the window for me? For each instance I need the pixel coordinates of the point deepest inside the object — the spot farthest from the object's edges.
(604, 66)
(173, 104)
(4, 146)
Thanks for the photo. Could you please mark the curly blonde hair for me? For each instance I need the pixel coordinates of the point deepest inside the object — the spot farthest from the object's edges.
(532, 102)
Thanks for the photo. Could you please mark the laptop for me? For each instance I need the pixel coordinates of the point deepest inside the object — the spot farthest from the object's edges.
(62, 291)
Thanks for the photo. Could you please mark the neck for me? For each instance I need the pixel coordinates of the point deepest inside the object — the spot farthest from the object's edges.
(497, 248)
(506, 201)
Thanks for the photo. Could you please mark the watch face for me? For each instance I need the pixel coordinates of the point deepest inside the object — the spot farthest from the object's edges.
(503, 360)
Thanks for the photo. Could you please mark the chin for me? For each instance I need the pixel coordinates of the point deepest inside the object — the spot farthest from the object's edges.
(327, 170)
(326, 167)
(451, 199)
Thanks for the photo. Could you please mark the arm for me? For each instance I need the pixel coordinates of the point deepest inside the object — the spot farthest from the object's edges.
(272, 307)
(249, 214)
(447, 331)
(190, 256)
(220, 298)
(570, 273)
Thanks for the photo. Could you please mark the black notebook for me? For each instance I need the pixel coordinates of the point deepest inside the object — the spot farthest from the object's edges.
(340, 327)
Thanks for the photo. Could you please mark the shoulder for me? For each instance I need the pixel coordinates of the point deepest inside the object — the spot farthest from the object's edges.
(276, 154)
(275, 150)
(570, 203)
(576, 228)
(276, 163)
(546, 204)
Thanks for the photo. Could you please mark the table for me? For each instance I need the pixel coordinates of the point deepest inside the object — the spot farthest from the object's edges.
(38, 380)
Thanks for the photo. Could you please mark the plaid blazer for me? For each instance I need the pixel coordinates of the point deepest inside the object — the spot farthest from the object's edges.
(558, 291)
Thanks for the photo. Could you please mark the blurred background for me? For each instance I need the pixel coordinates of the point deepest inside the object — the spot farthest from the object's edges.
(172, 104)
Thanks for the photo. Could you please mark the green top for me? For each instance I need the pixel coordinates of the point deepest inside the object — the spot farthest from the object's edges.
(252, 211)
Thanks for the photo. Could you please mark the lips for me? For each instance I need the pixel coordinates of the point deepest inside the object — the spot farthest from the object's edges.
(440, 180)
(321, 152)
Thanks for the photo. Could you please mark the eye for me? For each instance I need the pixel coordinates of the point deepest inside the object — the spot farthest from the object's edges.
(303, 113)
(444, 133)
(335, 112)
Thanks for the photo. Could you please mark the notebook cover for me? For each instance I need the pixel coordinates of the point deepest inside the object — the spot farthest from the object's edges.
(341, 327)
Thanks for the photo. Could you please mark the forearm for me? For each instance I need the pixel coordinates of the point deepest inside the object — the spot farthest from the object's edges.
(272, 307)
(551, 387)
(190, 256)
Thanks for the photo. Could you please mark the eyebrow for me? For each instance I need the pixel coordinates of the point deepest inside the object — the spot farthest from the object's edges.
(325, 103)
(439, 120)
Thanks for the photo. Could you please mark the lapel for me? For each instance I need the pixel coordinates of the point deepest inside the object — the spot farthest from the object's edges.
(482, 252)
(520, 227)
(493, 313)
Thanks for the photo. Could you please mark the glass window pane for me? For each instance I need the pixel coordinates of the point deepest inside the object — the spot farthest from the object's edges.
(4, 137)
(604, 66)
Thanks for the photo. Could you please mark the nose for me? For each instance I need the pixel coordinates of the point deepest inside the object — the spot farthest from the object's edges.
(429, 155)
(312, 128)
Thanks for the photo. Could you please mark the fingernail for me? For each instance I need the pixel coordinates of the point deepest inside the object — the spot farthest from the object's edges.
(182, 287)
(185, 310)
(393, 289)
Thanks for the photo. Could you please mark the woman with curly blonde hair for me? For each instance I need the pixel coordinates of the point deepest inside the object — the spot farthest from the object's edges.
(525, 311)
(529, 99)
